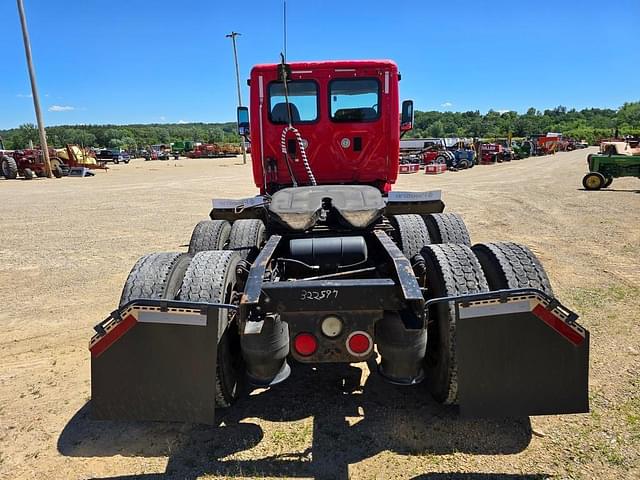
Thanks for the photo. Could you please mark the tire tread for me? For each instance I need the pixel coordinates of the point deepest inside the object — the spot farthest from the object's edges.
(411, 234)
(459, 272)
(512, 265)
(447, 228)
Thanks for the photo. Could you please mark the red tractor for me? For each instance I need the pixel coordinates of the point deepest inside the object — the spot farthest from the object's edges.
(28, 164)
(328, 265)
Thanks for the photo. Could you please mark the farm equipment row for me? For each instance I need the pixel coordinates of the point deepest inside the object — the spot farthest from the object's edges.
(29, 163)
(328, 265)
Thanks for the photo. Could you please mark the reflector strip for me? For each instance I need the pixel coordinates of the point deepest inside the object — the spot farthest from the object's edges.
(494, 308)
(112, 335)
(174, 318)
(572, 334)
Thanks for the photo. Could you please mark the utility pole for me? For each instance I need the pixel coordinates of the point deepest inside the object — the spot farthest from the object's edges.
(233, 36)
(34, 89)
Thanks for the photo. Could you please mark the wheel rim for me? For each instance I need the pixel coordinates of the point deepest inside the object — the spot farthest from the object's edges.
(593, 182)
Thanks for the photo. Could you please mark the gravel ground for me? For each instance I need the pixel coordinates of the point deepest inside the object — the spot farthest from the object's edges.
(67, 245)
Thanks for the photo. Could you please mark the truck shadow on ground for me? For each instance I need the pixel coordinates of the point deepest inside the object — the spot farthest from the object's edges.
(350, 423)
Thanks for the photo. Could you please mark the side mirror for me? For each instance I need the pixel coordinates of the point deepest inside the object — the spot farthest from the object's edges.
(406, 117)
(243, 121)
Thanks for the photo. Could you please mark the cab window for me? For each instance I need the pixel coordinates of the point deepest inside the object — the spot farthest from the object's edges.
(354, 100)
(303, 100)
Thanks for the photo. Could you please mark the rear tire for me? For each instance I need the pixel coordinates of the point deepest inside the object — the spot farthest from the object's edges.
(447, 228)
(211, 278)
(451, 270)
(247, 237)
(209, 235)
(9, 168)
(410, 234)
(155, 276)
(511, 265)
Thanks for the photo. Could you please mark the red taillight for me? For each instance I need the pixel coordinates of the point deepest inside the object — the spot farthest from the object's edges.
(305, 344)
(359, 344)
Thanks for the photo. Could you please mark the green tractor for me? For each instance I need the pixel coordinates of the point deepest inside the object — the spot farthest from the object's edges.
(522, 149)
(616, 159)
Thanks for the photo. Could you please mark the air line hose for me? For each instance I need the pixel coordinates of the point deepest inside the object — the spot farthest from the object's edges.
(303, 153)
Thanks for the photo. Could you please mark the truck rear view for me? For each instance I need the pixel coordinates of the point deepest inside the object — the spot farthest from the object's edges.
(328, 264)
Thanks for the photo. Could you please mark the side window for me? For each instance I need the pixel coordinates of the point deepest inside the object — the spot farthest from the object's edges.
(303, 101)
(354, 100)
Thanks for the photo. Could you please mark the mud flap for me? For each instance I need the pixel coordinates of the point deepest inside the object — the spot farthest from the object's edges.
(154, 360)
(520, 353)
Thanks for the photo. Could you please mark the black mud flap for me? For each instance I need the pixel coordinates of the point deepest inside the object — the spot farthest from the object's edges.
(520, 353)
(156, 360)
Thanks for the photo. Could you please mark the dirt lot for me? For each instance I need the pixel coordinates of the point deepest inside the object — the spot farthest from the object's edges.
(67, 245)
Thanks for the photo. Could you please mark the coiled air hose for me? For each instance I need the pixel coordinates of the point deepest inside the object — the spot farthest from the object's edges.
(303, 153)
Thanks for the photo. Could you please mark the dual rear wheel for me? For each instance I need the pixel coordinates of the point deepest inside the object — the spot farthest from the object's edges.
(207, 273)
(208, 276)
(453, 267)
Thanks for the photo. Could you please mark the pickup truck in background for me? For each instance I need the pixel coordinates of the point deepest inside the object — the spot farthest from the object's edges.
(115, 156)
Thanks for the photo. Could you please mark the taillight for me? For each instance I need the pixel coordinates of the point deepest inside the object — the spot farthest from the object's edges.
(305, 344)
(359, 344)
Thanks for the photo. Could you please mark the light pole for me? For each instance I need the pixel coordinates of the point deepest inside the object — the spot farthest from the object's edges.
(233, 36)
(34, 89)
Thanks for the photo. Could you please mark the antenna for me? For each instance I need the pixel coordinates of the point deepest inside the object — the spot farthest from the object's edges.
(284, 27)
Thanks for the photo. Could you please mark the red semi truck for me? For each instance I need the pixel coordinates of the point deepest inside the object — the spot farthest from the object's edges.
(328, 265)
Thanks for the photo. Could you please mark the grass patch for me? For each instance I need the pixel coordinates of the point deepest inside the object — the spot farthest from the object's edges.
(594, 298)
(631, 413)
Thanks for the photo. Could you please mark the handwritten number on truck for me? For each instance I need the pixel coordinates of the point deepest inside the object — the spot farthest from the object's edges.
(318, 295)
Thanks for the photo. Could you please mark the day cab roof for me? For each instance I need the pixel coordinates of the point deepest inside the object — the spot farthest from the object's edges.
(328, 65)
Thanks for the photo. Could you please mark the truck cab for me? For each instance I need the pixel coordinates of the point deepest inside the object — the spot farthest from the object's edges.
(345, 113)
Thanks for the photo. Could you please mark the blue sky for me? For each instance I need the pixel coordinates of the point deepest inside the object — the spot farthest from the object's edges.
(135, 61)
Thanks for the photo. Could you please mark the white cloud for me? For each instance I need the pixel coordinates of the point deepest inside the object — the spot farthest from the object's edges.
(502, 111)
(162, 118)
(182, 122)
(22, 95)
(61, 108)
(447, 104)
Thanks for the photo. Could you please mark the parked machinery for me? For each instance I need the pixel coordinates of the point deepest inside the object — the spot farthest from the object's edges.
(329, 265)
(522, 149)
(27, 164)
(616, 159)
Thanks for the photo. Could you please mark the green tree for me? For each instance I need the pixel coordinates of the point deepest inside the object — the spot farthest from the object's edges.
(24, 134)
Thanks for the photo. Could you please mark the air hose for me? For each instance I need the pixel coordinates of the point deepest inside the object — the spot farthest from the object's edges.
(303, 153)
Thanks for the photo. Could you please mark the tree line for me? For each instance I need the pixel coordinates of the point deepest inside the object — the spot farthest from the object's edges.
(122, 136)
(589, 124)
